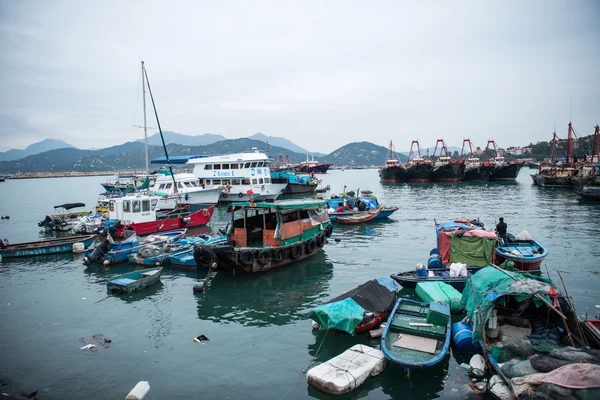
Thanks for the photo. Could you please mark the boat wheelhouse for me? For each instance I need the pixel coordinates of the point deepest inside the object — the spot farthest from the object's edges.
(242, 176)
(263, 236)
(189, 190)
(140, 212)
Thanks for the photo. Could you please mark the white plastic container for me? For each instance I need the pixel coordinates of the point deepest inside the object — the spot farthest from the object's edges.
(139, 391)
(78, 247)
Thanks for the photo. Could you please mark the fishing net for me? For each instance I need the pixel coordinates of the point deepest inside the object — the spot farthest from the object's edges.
(516, 368)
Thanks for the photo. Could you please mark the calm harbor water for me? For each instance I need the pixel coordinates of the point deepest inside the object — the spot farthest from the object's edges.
(260, 339)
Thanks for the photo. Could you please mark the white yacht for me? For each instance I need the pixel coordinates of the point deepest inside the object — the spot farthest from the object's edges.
(243, 176)
(189, 190)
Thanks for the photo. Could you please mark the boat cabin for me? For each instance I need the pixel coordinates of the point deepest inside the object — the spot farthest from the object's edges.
(392, 162)
(186, 182)
(133, 209)
(276, 224)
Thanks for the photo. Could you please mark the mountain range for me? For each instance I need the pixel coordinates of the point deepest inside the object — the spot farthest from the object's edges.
(36, 148)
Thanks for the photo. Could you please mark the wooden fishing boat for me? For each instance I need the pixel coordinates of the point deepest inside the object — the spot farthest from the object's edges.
(589, 192)
(417, 335)
(591, 329)
(173, 250)
(526, 254)
(360, 218)
(111, 253)
(269, 235)
(409, 279)
(135, 280)
(43, 247)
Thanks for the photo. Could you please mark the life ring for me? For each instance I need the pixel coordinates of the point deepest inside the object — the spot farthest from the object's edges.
(247, 257)
(204, 255)
(296, 252)
(311, 245)
(329, 230)
(240, 195)
(225, 195)
(264, 257)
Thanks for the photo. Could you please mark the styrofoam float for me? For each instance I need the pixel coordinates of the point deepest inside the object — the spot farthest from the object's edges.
(347, 371)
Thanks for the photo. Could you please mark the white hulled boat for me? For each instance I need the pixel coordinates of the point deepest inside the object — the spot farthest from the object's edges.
(243, 176)
(189, 190)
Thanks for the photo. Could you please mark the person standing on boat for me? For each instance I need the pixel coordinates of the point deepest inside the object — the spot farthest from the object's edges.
(501, 229)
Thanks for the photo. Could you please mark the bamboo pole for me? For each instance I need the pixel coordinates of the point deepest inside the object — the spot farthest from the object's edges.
(572, 305)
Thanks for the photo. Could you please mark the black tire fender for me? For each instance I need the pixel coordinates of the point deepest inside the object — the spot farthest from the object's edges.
(246, 257)
(204, 255)
(264, 257)
(297, 251)
(329, 230)
(311, 245)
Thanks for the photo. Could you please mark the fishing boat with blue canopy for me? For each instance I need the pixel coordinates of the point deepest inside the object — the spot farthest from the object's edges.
(417, 335)
(296, 183)
(348, 202)
(263, 236)
(135, 280)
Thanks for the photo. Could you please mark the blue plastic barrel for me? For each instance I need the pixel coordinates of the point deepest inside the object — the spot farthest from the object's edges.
(462, 337)
(434, 251)
(435, 261)
(421, 272)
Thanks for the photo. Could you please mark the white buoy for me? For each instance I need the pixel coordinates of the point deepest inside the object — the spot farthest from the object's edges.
(315, 325)
(78, 247)
(106, 262)
(139, 391)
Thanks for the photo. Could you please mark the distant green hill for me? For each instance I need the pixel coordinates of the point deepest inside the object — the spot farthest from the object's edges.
(360, 154)
(35, 148)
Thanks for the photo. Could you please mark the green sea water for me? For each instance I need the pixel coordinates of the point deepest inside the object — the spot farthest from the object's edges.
(260, 338)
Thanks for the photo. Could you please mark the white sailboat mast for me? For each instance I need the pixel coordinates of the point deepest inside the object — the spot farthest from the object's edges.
(145, 124)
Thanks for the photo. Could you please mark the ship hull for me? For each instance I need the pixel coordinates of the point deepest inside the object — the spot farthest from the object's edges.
(451, 172)
(481, 173)
(317, 169)
(506, 172)
(419, 173)
(392, 174)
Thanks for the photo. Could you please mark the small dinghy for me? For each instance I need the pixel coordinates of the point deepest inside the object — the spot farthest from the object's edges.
(409, 279)
(358, 310)
(526, 253)
(135, 280)
(417, 335)
(43, 247)
(157, 255)
(360, 218)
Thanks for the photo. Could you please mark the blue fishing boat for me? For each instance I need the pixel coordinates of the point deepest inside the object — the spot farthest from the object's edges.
(350, 202)
(527, 255)
(409, 279)
(135, 280)
(175, 249)
(43, 247)
(111, 253)
(185, 258)
(417, 335)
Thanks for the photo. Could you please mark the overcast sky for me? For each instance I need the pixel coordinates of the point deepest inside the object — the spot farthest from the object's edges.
(321, 74)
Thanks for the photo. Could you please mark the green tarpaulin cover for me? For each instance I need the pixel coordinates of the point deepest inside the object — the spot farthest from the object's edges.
(440, 292)
(490, 286)
(344, 315)
(472, 250)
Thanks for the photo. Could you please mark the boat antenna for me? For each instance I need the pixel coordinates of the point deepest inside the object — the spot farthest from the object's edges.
(160, 129)
(145, 124)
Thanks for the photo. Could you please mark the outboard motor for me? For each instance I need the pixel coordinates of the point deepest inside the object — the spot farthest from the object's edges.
(45, 221)
(3, 243)
(98, 254)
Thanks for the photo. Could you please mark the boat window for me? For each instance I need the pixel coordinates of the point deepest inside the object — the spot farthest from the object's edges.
(194, 184)
(111, 206)
(253, 165)
(217, 166)
(225, 182)
(145, 205)
(235, 182)
(234, 166)
(216, 182)
(247, 165)
(260, 181)
(246, 181)
(225, 166)
(136, 206)
(154, 203)
(126, 206)
(179, 185)
(259, 165)
(208, 166)
(188, 184)
(267, 180)
(254, 181)
(168, 186)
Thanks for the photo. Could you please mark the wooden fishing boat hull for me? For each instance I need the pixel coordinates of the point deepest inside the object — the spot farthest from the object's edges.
(136, 280)
(178, 221)
(532, 254)
(399, 324)
(299, 188)
(44, 247)
(175, 252)
(252, 259)
(384, 213)
(410, 279)
(183, 260)
(359, 218)
(589, 192)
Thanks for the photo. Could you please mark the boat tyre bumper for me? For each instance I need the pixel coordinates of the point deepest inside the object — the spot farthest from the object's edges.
(204, 255)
